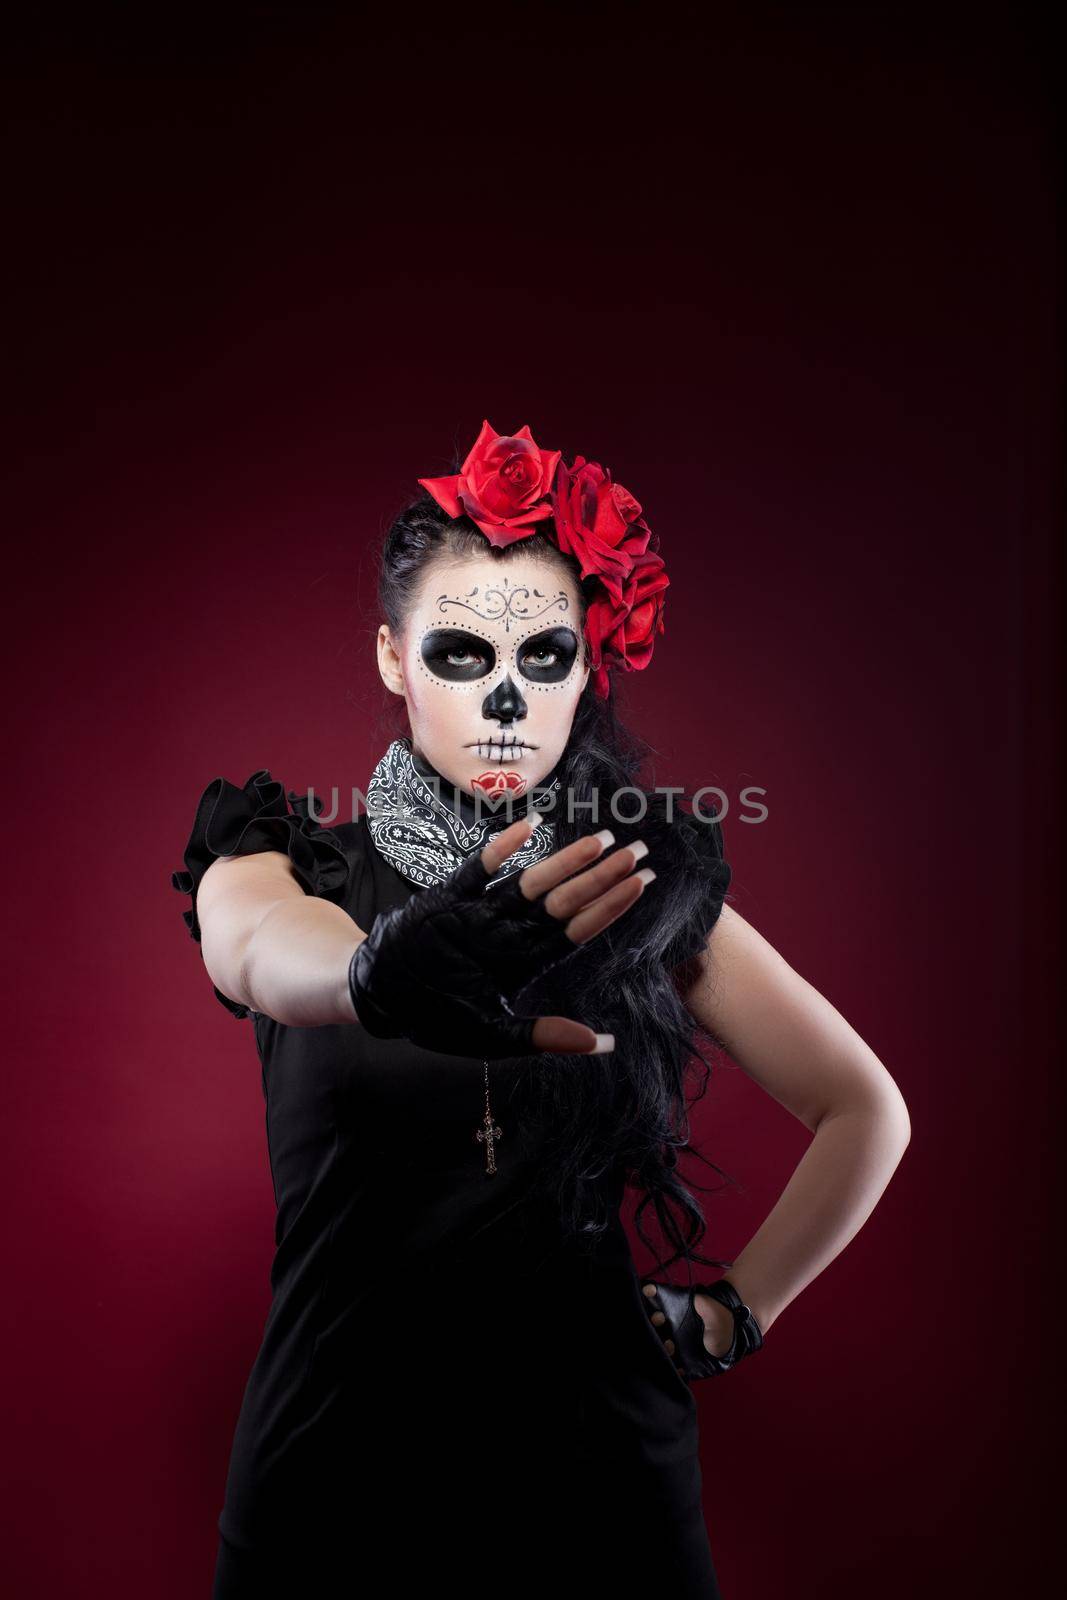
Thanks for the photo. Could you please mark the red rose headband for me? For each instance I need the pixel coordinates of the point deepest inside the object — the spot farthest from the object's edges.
(508, 486)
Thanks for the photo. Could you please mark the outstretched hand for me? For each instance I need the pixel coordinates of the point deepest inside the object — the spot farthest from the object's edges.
(443, 969)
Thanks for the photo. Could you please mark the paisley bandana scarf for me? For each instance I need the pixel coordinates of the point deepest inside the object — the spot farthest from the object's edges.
(425, 838)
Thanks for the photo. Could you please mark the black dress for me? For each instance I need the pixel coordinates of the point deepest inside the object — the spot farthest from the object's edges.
(444, 1391)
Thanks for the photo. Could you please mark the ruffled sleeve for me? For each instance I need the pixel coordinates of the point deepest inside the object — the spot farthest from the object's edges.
(260, 816)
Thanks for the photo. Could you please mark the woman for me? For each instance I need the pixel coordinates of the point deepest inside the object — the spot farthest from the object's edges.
(474, 1031)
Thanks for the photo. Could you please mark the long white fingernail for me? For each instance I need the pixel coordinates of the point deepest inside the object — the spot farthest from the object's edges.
(646, 874)
(604, 837)
(639, 848)
(605, 1044)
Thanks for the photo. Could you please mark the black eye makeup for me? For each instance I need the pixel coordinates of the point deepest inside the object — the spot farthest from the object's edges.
(454, 654)
(549, 656)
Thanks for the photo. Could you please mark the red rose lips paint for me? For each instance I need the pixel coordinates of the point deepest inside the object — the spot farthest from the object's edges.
(495, 785)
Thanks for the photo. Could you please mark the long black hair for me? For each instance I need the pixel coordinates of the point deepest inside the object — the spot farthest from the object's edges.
(626, 1113)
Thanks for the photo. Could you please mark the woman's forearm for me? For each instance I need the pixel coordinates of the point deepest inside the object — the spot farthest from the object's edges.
(833, 1190)
(295, 964)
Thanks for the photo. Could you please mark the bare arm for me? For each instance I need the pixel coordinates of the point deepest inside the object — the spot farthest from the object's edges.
(268, 945)
(797, 1047)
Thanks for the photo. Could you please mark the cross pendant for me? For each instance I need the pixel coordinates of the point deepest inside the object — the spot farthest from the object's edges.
(488, 1134)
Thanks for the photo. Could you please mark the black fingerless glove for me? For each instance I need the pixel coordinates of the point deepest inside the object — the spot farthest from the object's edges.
(444, 968)
(685, 1326)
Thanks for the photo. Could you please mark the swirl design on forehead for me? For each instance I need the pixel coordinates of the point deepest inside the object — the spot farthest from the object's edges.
(505, 601)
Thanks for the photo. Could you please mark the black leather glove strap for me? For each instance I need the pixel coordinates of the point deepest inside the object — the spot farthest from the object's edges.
(685, 1326)
(442, 969)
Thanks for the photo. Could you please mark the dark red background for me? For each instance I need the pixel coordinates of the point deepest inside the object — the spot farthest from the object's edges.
(787, 271)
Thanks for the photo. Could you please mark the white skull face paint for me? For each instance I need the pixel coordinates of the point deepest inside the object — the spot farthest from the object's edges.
(493, 662)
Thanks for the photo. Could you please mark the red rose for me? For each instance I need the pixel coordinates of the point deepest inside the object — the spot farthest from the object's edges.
(599, 523)
(503, 486)
(622, 632)
(508, 485)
